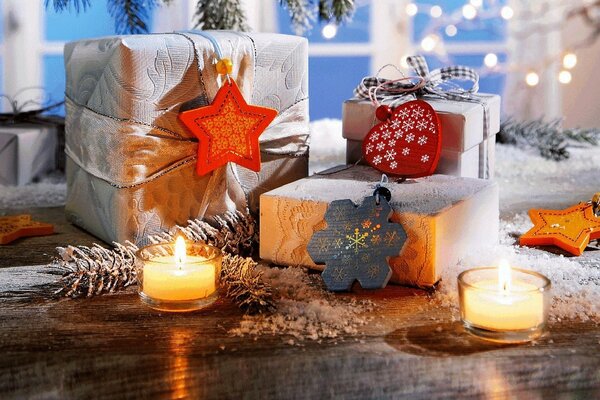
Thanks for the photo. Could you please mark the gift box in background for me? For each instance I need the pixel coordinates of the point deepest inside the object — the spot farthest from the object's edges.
(444, 217)
(29, 150)
(466, 149)
(131, 161)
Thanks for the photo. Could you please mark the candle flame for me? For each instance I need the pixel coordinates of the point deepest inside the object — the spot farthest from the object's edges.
(504, 276)
(180, 253)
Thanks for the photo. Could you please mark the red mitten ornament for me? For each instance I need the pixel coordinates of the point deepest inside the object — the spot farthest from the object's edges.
(407, 142)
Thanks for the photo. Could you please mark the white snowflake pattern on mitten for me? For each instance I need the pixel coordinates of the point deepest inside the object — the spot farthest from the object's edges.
(407, 136)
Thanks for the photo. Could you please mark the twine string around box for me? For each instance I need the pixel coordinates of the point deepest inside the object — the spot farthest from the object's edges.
(228, 188)
(389, 87)
(215, 44)
(18, 113)
(438, 83)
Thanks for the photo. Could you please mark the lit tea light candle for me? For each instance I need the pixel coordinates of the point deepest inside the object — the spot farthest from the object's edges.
(503, 304)
(178, 277)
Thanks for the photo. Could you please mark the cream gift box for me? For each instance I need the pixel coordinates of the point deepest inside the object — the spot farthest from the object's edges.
(467, 150)
(27, 151)
(131, 162)
(444, 217)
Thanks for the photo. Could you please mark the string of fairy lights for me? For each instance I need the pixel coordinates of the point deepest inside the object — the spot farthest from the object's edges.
(473, 15)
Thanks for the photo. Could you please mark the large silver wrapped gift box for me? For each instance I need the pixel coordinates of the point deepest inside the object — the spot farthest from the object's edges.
(27, 152)
(131, 162)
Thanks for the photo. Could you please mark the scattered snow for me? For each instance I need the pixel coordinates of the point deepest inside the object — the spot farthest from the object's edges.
(305, 310)
(575, 280)
(427, 195)
(327, 146)
(51, 191)
(526, 180)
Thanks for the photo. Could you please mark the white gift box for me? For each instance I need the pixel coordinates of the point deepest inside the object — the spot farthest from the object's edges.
(445, 217)
(466, 146)
(27, 151)
(131, 162)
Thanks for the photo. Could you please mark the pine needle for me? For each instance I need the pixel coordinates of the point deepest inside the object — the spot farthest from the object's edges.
(62, 5)
(303, 13)
(220, 14)
(95, 270)
(132, 16)
(245, 285)
(549, 138)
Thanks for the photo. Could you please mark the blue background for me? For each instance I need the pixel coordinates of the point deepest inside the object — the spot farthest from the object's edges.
(332, 78)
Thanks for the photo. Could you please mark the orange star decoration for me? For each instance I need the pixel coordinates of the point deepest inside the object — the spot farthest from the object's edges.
(228, 130)
(18, 226)
(570, 229)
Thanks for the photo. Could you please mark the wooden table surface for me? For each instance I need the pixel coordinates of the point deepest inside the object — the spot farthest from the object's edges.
(113, 347)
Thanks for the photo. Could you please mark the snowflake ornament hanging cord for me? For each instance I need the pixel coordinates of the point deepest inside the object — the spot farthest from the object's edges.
(131, 16)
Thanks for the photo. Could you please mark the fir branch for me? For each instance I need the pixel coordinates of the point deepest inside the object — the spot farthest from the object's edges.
(62, 5)
(232, 232)
(90, 271)
(302, 13)
(131, 15)
(590, 136)
(342, 10)
(220, 14)
(549, 138)
(245, 285)
(324, 10)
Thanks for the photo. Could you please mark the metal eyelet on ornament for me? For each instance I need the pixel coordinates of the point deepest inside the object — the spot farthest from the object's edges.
(382, 191)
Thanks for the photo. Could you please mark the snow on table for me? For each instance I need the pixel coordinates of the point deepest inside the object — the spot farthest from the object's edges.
(526, 181)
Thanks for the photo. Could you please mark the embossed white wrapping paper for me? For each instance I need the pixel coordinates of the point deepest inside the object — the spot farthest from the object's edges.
(131, 162)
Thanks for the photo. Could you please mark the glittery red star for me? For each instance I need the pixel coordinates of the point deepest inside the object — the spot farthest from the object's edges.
(228, 130)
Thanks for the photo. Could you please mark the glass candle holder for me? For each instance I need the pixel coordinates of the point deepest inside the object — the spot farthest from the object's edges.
(512, 311)
(168, 281)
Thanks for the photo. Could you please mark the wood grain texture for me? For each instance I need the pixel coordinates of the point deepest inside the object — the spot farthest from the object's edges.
(39, 250)
(114, 347)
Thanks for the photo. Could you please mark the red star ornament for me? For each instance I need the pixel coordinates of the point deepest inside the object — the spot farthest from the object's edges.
(228, 130)
(570, 229)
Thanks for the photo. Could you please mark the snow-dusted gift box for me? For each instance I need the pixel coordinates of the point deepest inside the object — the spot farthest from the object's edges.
(131, 162)
(27, 151)
(467, 150)
(444, 217)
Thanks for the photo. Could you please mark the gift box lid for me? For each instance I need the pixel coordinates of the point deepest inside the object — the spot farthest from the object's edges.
(428, 195)
(462, 121)
(149, 78)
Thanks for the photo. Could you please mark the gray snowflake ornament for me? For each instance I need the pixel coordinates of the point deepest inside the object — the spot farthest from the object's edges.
(357, 243)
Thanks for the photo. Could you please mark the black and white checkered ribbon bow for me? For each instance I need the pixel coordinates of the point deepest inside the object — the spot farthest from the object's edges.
(438, 85)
